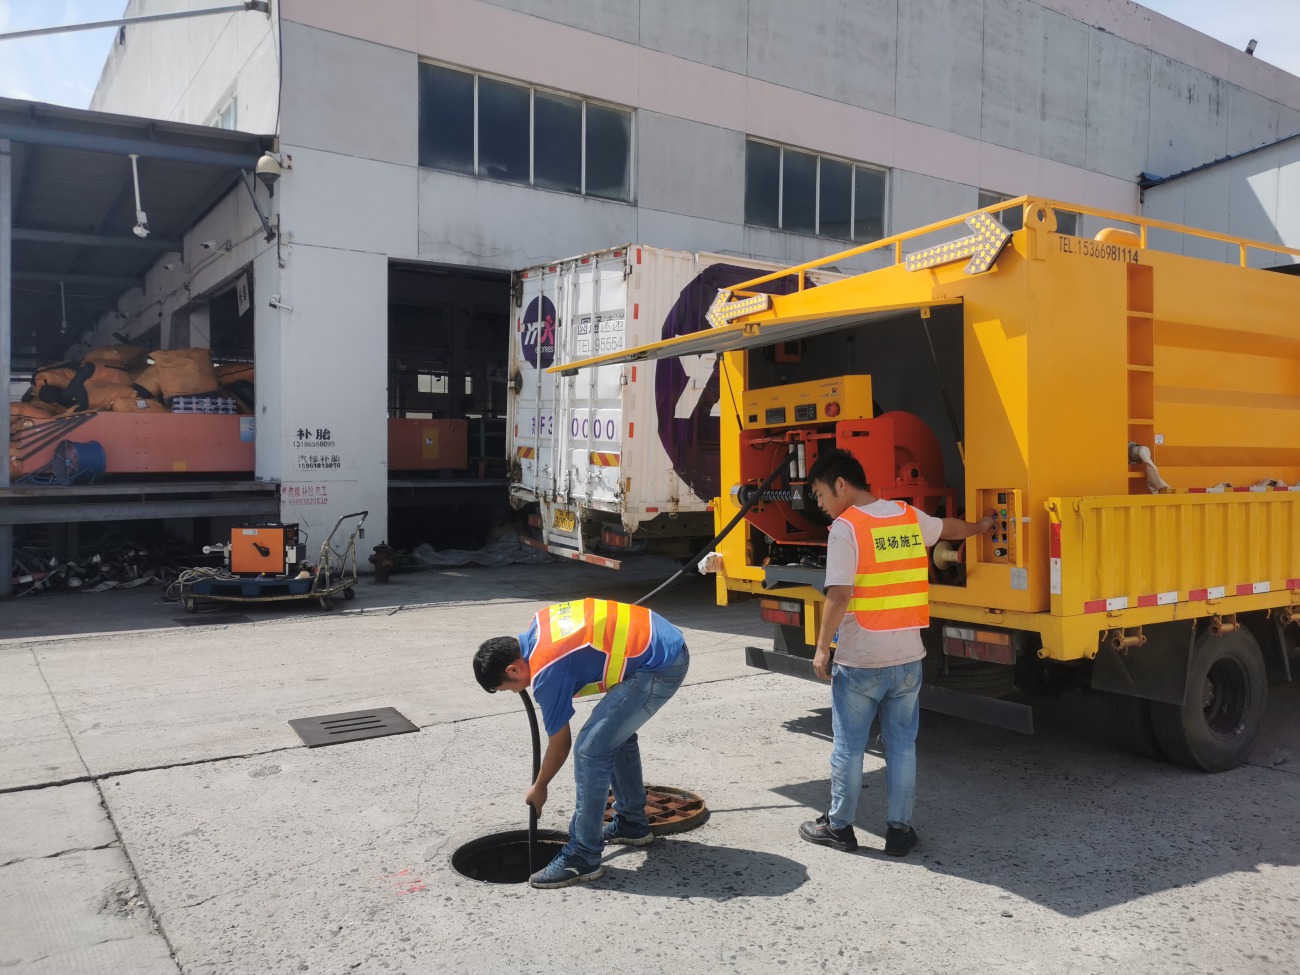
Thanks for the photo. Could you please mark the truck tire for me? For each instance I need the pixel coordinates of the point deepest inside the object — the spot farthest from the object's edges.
(1130, 726)
(1216, 727)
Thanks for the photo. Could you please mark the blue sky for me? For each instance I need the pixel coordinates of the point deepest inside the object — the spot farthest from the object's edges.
(64, 68)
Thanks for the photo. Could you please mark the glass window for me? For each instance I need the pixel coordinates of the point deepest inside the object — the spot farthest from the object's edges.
(446, 119)
(869, 203)
(537, 138)
(431, 382)
(557, 142)
(503, 126)
(762, 184)
(609, 153)
(1012, 219)
(799, 192)
(835, 211)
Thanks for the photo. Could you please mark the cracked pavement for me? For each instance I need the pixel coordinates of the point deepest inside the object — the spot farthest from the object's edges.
(158, 815)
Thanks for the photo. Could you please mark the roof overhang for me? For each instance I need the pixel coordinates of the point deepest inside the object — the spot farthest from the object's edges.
(74, 209)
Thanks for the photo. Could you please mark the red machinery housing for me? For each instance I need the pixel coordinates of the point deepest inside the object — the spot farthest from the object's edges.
(898, 451)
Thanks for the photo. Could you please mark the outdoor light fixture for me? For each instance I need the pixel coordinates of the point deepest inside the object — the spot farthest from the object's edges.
(141, 228)
(1250, 48)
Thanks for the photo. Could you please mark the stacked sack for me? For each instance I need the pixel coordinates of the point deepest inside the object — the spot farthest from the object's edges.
(127, 379)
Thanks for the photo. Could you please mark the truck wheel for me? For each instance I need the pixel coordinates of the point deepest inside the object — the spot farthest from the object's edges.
(1227, 686)
(1130, 726)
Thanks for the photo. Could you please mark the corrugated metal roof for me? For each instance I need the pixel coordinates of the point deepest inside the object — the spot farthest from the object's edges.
(74, 208)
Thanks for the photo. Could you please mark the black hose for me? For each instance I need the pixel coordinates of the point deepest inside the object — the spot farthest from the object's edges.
(755, 497)
(537, 768)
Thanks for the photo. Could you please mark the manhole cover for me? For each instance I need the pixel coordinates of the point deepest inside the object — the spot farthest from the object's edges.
(331, 729)
(213, 619)
(669, 810)
(502, 858)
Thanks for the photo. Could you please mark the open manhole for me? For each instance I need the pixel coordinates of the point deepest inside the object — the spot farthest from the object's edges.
(502, 858)
(669, 810)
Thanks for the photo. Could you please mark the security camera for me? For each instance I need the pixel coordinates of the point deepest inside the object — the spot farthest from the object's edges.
(141, 229)
(276, 303)
(208, 245)
(268, 171)
(169, 266)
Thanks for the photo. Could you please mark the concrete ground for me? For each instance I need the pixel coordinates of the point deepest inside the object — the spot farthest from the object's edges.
(158, 815)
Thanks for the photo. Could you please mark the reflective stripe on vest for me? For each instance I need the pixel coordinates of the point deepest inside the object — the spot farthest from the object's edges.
(618, 630)
(891, 587)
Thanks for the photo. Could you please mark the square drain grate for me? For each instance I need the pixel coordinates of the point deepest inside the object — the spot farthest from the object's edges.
(331, 729)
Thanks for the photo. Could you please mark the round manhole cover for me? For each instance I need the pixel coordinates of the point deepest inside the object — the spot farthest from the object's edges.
(669, 810)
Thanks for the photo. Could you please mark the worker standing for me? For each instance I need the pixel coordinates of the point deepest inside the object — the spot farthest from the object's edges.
(638, 660)
(877, 598)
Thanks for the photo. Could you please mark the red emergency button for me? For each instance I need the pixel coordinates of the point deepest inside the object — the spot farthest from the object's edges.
(832, 409)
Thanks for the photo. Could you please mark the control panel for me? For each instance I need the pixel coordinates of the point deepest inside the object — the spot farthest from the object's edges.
(1003, 543)
(820, 401)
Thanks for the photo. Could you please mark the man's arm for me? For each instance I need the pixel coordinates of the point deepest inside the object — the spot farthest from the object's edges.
(557, 753)
(837, 604)
(954, 529)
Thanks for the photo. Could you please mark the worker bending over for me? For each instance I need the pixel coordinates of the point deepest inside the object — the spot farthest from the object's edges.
(638, 660)
(877, 598)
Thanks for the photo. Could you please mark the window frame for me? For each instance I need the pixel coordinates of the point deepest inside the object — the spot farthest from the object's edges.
(533, 89)
(853, 164)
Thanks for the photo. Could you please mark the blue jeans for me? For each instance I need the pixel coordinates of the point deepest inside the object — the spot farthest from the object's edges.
(856, 695)
(606, 751)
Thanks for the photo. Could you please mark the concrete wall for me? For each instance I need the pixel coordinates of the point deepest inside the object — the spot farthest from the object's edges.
(1255, 196)
(187, 70)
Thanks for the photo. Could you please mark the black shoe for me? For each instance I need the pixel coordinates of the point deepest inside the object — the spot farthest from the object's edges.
(822, 832)
(899, 841)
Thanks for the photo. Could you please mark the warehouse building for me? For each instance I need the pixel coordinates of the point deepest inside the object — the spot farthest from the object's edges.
(427, 148)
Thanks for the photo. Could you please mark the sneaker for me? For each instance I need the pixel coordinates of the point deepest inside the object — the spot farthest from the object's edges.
(617, 832)
(899, 841)
(563, 871)
(822, 832)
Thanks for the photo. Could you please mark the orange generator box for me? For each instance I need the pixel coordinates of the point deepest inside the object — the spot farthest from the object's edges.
(264, 549)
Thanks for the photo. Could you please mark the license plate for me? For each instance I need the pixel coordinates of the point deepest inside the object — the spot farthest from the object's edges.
(565, 521)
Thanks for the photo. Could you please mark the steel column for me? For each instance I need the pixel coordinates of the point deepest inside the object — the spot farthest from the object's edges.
(6, 351)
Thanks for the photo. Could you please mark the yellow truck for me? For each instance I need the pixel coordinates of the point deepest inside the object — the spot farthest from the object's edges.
(1129, 413)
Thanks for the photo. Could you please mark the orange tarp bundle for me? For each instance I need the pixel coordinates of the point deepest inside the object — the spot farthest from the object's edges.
(185, 372)
(121, 356)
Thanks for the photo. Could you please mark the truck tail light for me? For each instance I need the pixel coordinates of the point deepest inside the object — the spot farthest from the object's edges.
(993, 646)
(787, 612)
(534, 520)
(615, 539)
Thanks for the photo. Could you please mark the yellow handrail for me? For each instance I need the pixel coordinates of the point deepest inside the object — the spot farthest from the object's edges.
(1244, 245)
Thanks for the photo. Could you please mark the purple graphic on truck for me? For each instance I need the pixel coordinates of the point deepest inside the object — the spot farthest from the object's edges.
(538, 339)
(686, 388)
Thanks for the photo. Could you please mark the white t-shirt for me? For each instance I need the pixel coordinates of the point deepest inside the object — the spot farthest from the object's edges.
(857, 647)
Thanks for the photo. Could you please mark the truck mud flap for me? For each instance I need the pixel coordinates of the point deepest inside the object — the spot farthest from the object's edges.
(943, 700)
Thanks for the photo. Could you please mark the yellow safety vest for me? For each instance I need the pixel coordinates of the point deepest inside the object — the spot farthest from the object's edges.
(891, 588)
(618, 630)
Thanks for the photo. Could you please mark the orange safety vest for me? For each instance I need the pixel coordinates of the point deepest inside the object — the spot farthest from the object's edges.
(618, 630)
(891, 589)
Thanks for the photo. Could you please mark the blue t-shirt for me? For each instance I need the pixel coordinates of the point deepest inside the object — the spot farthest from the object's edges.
(553, 689)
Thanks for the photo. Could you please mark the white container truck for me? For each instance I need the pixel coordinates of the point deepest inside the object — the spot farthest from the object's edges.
(621, 457)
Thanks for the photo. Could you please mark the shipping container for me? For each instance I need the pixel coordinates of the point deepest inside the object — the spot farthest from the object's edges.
(621, 458)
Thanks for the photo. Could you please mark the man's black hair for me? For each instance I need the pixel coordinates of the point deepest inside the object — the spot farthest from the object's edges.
(492, 659)
(831, 465)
